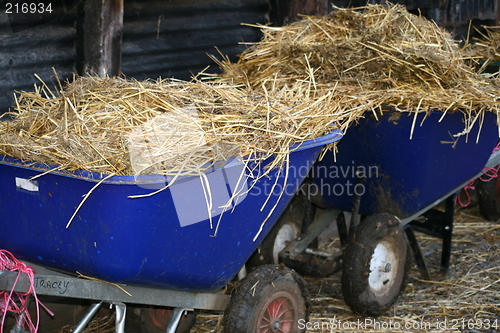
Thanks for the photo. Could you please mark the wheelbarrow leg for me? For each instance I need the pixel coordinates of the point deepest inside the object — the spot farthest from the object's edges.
(437, 224)
(356, 204)
(242, 272)
(308, 215)
(18, 327)
(121, 313)
(417, 254)
(120, 309)
(342, 229)
(175, 319)
(447, 232)
(87, 318)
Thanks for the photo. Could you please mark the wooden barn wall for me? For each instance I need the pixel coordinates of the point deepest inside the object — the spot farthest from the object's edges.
(160, 38)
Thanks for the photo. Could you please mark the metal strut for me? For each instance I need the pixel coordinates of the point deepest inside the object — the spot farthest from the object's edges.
(121, 313)
(18, 327)
(356, 204)
(175, 319)
(80, 327)
(437, 224)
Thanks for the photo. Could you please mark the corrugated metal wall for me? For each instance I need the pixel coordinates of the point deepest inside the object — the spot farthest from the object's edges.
(446, 13)
(456, 13)
(172, 38)
(160, 38)
(410, 4)
(28, 47)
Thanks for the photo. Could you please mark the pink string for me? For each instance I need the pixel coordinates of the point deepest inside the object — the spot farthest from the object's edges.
(497, 147)
(8, 303)
(466, 189)
(488, 175)
(491, 173)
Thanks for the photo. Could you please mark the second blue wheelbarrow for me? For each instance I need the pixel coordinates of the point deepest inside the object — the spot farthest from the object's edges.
(390, 172)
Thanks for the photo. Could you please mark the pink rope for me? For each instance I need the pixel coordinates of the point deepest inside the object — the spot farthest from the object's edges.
(497, 147)
(466, 189)
(491, 173)
(488, 175)
(8, 303)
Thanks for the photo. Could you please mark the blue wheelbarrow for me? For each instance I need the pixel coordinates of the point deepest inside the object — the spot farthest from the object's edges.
(390, 172)
(177, 248)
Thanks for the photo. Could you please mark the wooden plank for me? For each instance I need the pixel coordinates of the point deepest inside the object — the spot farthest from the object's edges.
(102, 29)
(497, 21)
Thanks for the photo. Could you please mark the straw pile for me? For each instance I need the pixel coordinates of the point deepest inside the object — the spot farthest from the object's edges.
(485, 50)
(291, 86)
(127, 127)
(105, 324)
(367, 58)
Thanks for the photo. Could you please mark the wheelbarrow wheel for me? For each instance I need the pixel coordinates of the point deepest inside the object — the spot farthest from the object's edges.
(286, 229)
(375, 265)
(155, 319)
(271, 298)
(488, 198)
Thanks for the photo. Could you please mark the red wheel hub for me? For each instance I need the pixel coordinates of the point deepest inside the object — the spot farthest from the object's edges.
(160, 317)
(278, 316)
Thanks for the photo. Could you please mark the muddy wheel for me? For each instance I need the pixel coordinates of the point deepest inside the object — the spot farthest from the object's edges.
(375, 265)
(155, 319)
(286, 229)
(488, 199)
(269, 299)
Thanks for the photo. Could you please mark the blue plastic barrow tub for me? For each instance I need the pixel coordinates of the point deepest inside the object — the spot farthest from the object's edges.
(166, 240)
(402, 175)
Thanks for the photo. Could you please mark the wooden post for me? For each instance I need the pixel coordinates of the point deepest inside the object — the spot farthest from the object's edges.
(497, 21)
(102, 29)
(286, 11)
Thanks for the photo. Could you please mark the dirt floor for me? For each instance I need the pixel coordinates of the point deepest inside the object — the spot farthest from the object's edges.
(466, 299)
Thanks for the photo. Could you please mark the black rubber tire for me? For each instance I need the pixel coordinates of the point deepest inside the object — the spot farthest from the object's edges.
(268, 288)
(288, 225)
(373, 293)
(488, 199)
(155, 320)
